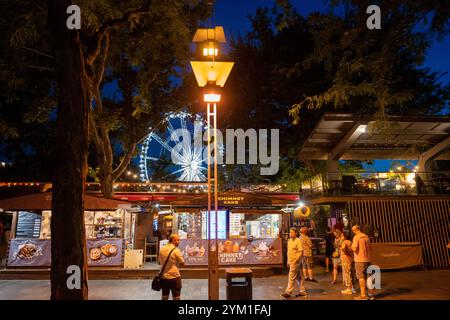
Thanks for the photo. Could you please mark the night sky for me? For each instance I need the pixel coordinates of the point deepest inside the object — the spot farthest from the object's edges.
(233, 15)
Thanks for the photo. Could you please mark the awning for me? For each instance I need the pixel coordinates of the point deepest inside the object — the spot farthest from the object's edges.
(43, 201)
(344, 136)
(232, 199)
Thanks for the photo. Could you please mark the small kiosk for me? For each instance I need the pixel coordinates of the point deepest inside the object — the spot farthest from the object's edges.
(249, 229)
(110, 227)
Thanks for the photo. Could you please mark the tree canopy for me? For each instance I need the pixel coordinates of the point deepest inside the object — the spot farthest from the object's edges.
(291, 69)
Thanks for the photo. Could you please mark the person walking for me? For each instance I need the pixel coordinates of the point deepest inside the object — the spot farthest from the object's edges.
(170, 276)
(347, 266)
(339, 239)
(362, 249)
(329, 248)
(294, 254)
(307, 257)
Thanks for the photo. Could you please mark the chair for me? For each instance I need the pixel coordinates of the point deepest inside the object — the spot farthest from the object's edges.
(151, 249)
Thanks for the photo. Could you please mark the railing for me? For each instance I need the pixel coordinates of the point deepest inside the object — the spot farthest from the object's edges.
(392, 183)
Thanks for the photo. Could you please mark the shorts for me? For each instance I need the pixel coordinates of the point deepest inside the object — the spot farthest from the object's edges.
(329, 252)
(307, 262)
(168, 285)
(336, 262)
(361, 269)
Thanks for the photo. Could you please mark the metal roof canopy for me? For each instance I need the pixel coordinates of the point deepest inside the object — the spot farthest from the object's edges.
(43, 201)
(344, 136)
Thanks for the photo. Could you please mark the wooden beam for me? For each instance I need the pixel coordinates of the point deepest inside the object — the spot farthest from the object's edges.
(346, 142)
(328, 131)
(432, 153)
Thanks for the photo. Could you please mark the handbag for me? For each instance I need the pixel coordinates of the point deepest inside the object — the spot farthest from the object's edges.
(156, 283)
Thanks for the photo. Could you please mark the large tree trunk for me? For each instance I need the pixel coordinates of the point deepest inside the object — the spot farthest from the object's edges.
(106, 181)
(67, 225)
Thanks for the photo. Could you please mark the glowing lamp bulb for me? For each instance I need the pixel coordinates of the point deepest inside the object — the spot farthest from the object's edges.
(211, 97)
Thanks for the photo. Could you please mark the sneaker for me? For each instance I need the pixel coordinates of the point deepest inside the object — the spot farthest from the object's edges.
(307, 279)
(301, 294)
(333, 282)
(371, 297)
(313, 280)
(347, 291)
(286, 295)
(360, 298)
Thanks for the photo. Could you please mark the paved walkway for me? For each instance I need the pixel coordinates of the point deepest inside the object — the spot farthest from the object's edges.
(406, 285)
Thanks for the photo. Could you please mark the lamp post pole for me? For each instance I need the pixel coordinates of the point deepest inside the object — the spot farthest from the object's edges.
(212, 75)
(213, 257)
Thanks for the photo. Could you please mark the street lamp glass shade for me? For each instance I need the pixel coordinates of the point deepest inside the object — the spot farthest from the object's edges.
(214, 72)
(211, 97)
(216, 34)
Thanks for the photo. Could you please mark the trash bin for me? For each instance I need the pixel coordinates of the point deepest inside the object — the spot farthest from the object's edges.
(239, 283)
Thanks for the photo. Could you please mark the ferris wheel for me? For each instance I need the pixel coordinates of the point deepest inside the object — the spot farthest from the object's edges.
(189, 165)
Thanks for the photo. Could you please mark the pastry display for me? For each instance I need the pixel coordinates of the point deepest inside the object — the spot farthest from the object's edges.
(28, 251)
(105, 251)
(195, 251)
(263, 250)
(109, 250)
(95, 253)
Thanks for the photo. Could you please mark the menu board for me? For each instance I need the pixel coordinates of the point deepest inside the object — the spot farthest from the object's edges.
(28, 225)
(194, 225)
(29, 252)
(221, 225)
(233, 251)
(237, 226)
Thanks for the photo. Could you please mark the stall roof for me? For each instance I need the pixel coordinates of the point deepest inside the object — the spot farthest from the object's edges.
(43, 201)
(350, 137)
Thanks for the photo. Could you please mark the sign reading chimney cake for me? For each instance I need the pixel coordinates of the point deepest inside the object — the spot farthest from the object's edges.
(230, 200)
(234, 199)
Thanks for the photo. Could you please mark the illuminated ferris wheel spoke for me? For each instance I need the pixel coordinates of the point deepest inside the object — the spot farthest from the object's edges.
(163, 143)
(188, 164)
(171, 130)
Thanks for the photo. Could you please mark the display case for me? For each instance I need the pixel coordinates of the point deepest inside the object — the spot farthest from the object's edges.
(104, 224)
(244, 238)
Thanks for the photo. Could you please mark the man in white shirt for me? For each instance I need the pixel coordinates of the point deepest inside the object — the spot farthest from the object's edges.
(294, 254)
(170, 276)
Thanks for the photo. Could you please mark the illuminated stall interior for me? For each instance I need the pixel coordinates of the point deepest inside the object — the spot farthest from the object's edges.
(249, 228)
(107, 220)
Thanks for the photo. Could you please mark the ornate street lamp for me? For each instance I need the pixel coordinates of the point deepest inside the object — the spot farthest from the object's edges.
(211, 75)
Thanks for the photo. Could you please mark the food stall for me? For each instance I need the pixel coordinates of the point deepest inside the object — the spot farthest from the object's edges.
(248, 229)
(109, 223)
